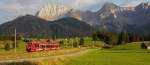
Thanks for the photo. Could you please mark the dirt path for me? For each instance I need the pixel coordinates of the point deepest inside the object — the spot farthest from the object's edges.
(48, 57)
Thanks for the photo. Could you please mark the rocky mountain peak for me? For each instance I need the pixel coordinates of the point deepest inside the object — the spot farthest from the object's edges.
(75, 14)
(53, 12)
(110, 5)
(143, 5)
(147, 5)
(107, 8)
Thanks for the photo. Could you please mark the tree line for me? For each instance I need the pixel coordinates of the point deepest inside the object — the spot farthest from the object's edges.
(113, 38)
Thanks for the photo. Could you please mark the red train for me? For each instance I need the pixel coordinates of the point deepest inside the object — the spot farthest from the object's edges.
(42, 45)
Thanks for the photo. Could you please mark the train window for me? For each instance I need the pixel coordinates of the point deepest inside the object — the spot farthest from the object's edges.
(36, 46)
(42, 46)
(48, 46)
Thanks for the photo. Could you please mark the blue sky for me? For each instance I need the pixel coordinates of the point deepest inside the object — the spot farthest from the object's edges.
(10, 9)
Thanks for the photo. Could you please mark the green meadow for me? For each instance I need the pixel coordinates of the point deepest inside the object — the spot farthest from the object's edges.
(129, 54)
(113, 57)
(125, 54)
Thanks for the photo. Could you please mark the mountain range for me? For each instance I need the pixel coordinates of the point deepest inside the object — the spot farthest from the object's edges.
(30, 25)
(63, 21)
(112, 17)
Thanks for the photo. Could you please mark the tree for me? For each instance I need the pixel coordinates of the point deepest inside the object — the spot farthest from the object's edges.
(61, 42)
(125, 37)
(75, 44)
(143, 46)
(120, 38)
(130, 37)
(94, 37)
(7, 47)
(54, 37)
(81, 41)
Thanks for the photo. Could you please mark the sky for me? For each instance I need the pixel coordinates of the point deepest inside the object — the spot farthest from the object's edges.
(10, 9)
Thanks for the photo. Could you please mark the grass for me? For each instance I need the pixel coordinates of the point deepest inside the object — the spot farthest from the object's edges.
(129, 46)
(127, 54)
(20, 48)
(21, 52)
(113, 57)
(24, 55)
(99, 57)
(88, 42)
(53, 61)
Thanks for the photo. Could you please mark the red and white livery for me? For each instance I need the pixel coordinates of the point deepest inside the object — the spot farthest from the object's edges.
(42, 45)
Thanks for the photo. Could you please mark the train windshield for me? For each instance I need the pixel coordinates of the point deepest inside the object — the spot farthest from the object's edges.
(28, 41)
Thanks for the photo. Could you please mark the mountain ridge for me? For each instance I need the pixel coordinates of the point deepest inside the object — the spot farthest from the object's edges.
(36, 27)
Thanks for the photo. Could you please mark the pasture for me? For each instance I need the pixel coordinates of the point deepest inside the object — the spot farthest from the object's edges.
(126, 54)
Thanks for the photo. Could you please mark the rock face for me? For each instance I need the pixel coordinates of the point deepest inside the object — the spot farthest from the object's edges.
(53, 12)
(110, 17)
(114, 18)
(75, 14)
(36, 27)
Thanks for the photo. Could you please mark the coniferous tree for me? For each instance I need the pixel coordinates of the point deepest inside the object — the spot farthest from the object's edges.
(54, 37)
(94, 37)
(7, 47)
(120, 38)
(126, 38)
(75, 44)
(81, 41)
(143, 46)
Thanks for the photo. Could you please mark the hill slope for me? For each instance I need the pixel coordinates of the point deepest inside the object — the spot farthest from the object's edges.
(34, 26)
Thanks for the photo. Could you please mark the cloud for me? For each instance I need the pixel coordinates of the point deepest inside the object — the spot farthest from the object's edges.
(131, 3)
(31, 6)
(88, 4)
(14, 8)
(10, 9)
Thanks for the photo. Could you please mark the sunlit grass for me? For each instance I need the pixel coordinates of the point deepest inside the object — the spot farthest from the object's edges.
(113, 57)
(128, 46)
(54, 61)
(24, 55)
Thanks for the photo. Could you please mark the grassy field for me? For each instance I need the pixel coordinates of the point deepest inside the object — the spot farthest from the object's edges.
(100, 57)
(129, 54)
(113, 57)
(24, 55)
(21, 50)
(129, 46)
(88, 42)
(126, 54)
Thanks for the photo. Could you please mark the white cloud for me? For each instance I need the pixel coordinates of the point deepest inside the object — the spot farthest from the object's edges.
(131, 3)
(88, 4)
(31, 6)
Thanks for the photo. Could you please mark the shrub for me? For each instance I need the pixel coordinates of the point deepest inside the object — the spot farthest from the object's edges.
(143, 46)
(61, 42)
(75, 44)
(7, 47)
